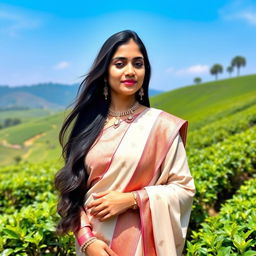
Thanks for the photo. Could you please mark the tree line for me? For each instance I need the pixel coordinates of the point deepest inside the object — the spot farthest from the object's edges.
(237, 62)
(9, 122)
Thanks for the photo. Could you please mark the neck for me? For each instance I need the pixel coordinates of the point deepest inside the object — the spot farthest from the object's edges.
(122, 103)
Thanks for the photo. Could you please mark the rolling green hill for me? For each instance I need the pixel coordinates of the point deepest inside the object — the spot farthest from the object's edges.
(208, 102)
(37, 139)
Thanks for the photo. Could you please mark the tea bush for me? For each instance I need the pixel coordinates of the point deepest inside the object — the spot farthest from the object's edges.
(222, 129)
(31, 231)
(233, 231)
(20, 185)
(220, 169)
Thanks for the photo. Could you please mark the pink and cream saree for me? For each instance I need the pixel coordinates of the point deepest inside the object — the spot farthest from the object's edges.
(146, 156)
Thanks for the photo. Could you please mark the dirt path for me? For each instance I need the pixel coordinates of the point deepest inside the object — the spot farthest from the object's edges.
(31, 140)
(6, 144)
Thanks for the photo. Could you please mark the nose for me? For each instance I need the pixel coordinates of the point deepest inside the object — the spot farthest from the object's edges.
(129, 70)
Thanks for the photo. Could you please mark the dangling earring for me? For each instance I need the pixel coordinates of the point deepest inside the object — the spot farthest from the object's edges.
(141, 93)
(105, 92)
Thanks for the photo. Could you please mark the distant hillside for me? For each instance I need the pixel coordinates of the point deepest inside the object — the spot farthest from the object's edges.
(49, 95)
(27, 100)
(46, 96)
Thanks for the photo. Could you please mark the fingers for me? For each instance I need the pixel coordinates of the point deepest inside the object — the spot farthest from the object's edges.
(97, 197)
(95, 210)
(105, 217)
(100, 194)
(110, 251)
(94, 203)
(101, 213)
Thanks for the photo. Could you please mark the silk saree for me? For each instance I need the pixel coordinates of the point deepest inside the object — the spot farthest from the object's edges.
(146, 156)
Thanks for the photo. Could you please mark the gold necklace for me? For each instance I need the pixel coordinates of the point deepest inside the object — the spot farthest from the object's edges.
(118, 114)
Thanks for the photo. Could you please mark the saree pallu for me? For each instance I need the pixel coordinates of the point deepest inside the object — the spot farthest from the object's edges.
(146, 156)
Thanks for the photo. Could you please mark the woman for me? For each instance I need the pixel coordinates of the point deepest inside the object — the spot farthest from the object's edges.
(126, 188)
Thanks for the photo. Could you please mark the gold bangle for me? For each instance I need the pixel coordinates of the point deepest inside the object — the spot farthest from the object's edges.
(135, 205)
(87, 243)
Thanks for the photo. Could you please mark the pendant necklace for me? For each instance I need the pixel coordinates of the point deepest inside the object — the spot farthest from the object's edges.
(128, 112)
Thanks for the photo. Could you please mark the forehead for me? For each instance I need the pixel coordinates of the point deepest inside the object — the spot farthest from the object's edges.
(128, 50)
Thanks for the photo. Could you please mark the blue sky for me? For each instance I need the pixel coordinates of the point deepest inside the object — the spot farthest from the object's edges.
(57, 41)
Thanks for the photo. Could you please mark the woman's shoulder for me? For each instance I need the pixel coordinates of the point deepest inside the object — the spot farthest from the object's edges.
(167, 117)
(170, 123)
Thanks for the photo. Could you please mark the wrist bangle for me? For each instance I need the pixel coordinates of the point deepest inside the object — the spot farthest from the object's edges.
(87, 243)
(85, 237)
(135, 205)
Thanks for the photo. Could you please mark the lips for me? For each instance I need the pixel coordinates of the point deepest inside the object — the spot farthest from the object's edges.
(129, 82)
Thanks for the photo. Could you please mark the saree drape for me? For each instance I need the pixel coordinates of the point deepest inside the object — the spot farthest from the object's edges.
(146, 156)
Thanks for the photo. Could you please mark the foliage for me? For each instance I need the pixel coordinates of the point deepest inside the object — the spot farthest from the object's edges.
(218, 171)
(31, 231)
(230, 69)
(24, 186)
(216, 69)
(221, 129)
(233, 231)
(28, 202)
(197, 80)
(10, 122)
(238, 62)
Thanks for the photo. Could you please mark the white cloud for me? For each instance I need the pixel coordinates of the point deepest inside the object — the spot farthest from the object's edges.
(62, 65)
(250, 17)
(14, 20)
(192, 70)
(240, 10)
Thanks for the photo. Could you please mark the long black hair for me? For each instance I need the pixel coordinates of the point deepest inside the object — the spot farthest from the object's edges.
(83, 125)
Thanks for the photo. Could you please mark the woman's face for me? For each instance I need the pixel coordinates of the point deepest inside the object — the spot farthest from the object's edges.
(126, 70)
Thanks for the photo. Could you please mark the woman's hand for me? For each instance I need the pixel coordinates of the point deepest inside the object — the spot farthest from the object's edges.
(110, 203)
(99, 248)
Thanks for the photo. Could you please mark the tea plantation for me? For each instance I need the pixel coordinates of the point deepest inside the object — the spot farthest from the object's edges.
(221, 152)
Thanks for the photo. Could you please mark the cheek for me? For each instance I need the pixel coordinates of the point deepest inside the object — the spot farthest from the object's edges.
(114, 77)
(114, 73)
(142, 74)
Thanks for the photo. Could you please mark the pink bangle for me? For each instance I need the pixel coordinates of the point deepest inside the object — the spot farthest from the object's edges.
(86, 236)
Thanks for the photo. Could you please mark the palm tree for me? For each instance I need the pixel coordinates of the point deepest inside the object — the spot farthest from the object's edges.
(197, 80)
(216, 69)
(238, 62)
(230, 69)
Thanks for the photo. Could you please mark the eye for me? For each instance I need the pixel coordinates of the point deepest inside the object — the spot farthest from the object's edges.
(119, 64)
(139, 64)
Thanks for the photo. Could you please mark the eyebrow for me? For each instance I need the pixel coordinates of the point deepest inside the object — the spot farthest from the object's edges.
(124, 58)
